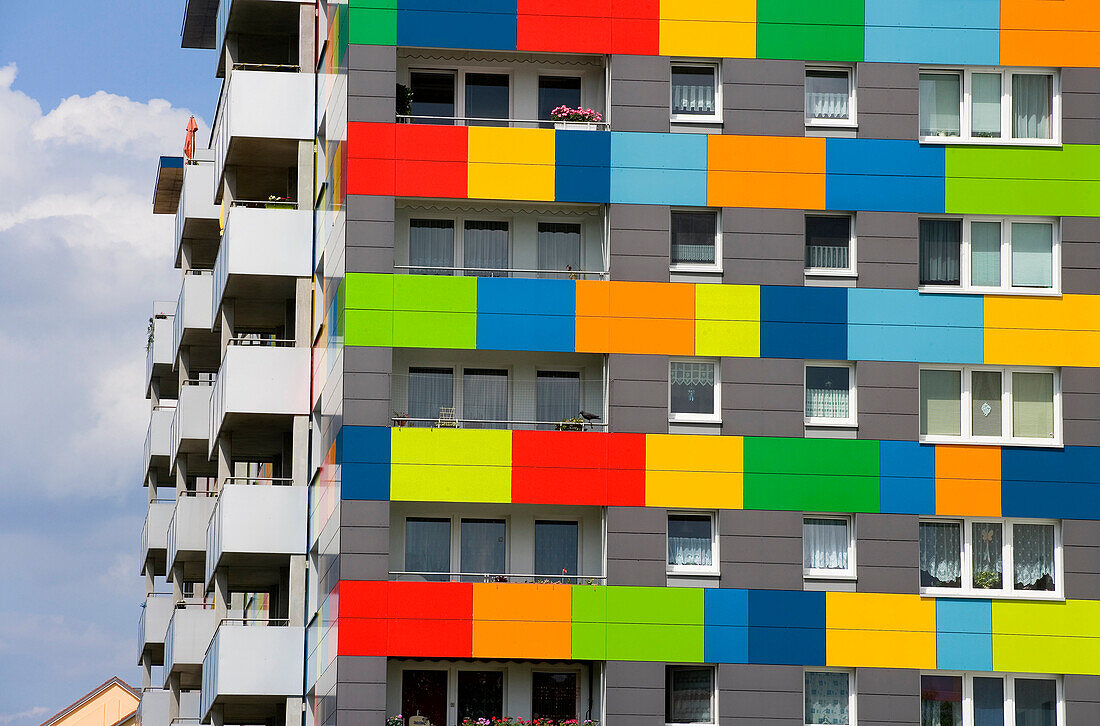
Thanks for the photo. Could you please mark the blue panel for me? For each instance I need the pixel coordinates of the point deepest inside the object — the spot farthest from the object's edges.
(907, 478)
(497, 331)
(364, 444)
(884, 175)
(365, 481)
(482, 24)
(786, 627)
(171, 162)
(803, 322)
(964, 635)
(908, 31)
(726, 619)
(526, 296)
(583, 163)
(524, 314)
(649, 168)
(905, 325)
(1059, 484)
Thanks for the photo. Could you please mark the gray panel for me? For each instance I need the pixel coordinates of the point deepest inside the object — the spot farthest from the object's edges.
(887, 102)
(888, 696)
(635, 693)
(1081, 406)
(636, 545)
(369, 259)
(362, 698)
(639, 242)
(355, 566)
(763, 97)
(887, 553)
(370, 233)
(887, 250)
(638, 393)
(1080, 253)
(372, 108)
(369, 208)
(762, 397)
(640, 93)
(366, 386)
(364, 513)
(370, 57)
(1080, 105)
(761, 549)
(760, 694)
(1082, 699)
(1081, 557)
(887, 400)
(763, 246)
(639, 268)
(368, 360)
(368, 413)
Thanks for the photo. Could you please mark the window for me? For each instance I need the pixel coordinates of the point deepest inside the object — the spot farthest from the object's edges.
(480, 695)
(557, 91)
(830, 245)
(554, 696)
(557, 397)
(431, 246)
(559, 249)
(433, 96)
(830, 97)
(990, 405)
(990, 104)
(1019, 255)
(482, 547)
(692, 544)
(830, 697)
(828, 547)
(990, 700)
(693, 391)
(830, 394)
(694, 242)
(484, 398)
(485, 248)
(424, 693)
(696, 92)
(430, 391)
(428, 546)
(556, 545)
(486, 98)
(991, 557)
(451, 94)
(689, 694)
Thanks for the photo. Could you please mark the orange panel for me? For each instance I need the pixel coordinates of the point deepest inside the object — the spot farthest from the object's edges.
(593, 326)
(1065, 33)
(779, 172)
(652, 317)
(968, 480)
(522, 621)
(652, 336)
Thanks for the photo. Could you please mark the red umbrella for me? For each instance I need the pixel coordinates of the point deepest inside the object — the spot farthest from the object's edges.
(189, 141)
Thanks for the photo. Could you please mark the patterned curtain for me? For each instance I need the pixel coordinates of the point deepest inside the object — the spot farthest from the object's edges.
(940, 554)
(827, 698)
(1033, 556)
(825, 544)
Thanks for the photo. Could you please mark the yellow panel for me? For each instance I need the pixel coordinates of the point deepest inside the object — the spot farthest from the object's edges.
(727, 320)
(1042, 331)
(1047, 637)
(694, 471)
(450, 465)
(880, 631)
(511, 164)
(708, 28)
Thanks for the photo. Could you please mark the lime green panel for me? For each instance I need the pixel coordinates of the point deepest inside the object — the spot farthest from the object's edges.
(589, 622)
(590, 604)
(434, 330)
(368, 291)
(830, 475)
(1047, 637)
(435, 293)
(375, 25)
(810, 30)
(368, 328)
(450, 465)
(683, 643)
(589, 641)
(655, 606)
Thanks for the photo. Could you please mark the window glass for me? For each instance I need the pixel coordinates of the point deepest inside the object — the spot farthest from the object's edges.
(431, 244)
(484, 398)
(1033, 405)
(557, 91)
(693, 90)
(433, 95)
(480, 695)
(428, 546)
(689, 694)
(985, 105)
(485, 248)
(1033, 556)
(827, 94)
(482, 547)
(430, 391)
(825, 543)
(940, 403)
(827, 242)
(940, 554)
(556, 549)
(827, 392)
(559, 249)
(940, 244)
(1032, 254)
(486, 97)
(985, 399)
(987, 551)
(692, 387)
(1036, 702)
(693, 238)
(941, 702)
(424, 693)
(1032, 104)
(989, 702)
(554, 696)
(827, 698)
(985, 253)
(557, 396)
(690, 540)
(940, 101)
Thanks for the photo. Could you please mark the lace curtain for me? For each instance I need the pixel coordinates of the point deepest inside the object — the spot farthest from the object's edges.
(484, 398)
(693, 90)
(940, 554)
(940, 243)
(431, 244)
(693, 235)
(559, 249)
(485, 248)
(827, 94)
(987, 553)
(1032, 100)
(689, 541)
(827, 698)
(1033, 556)
(941, 701)
(827, 392)
(692, 387)
(825, 544)
(690, 695)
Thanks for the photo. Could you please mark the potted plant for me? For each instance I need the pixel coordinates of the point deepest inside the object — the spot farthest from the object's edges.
(403, 100)
(580, 119)
(400, 418)
(277, 202)
(575, 423)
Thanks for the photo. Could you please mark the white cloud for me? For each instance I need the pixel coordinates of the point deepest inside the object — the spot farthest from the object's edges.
(27, 714)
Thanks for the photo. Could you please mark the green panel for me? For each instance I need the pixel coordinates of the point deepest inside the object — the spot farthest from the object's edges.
(435, 293)
(368, 291)
(825, 475)
(683, 643)
(434, 330)
(368, 328)
(810, 30)
(654, 606)
(590, 604)
(376, 25)
(589, 641)
(589, 622)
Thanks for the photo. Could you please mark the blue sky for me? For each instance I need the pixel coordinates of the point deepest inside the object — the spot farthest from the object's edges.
(90, 94)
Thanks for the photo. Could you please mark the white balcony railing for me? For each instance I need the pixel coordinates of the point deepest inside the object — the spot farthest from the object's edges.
(188, 636)
(193, 310)
(153, 623)
(256, 517)
(160, 352)
(263, 242)
(196, 208)
(252, 663)
(154, 533)
(189, 424)
(153, 710)
(158, 437)
(187, 530)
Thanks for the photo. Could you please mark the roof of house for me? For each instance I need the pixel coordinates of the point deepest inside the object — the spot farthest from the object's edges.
(91, 695)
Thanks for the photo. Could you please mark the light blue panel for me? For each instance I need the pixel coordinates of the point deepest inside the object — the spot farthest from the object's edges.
(649, 168)
(940, 31)
(964, 635)
(909, 326)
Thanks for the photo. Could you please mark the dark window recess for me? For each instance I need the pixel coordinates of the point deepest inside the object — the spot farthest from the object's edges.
(554, 696)
(557, 91)
(480, 695)
(487, 97)
(424, 693)
(940, 243)
(433, 95)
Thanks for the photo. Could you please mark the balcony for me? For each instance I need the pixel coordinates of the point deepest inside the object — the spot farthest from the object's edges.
(154, 536)
(158, 438)
(154, 708)
(159, 351)
(277, 17)
(256, 520)
(197, 217)
(194, 313)
(262, 250)
(247, 665)
(187, 530)
(153, 625)
(187, 638)
(190, 424)
(259, 378)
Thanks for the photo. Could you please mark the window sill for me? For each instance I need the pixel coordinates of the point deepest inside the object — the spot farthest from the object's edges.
(695, 269)
(825, 124)
(1035, 443)
(957, 140)
(688, 418)
(991, 594)
(684, 571)
(830, 423)
(700, 120)
(1014, 292)
(826, 575)
(820, 272)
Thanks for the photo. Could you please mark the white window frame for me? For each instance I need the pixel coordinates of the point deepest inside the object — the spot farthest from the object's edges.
(685, 118)
(848, 573)
(853, 718)
(1009, 693)
(713, 694)
(1007, 591)
(552, 669)
(714, 569)
(459, 72)
(965, 111)
(689, 267)
(851, 269)
(853, 413)
(965, 285)
(713, 417)
(459, 219)
(853, 120)
(1006, 438)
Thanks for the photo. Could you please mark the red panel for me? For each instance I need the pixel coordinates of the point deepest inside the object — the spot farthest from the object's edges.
(431, 161)
(568, 26)
(560, 467)
(358, 599)
(371, 149)
(422, 142)
(626, 475)
(432, 638)
(635, 26)
(431, 600)
(371, 140)
(360, 636)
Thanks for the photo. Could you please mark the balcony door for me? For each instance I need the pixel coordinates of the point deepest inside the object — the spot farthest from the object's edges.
(424, 693)
(482, 548)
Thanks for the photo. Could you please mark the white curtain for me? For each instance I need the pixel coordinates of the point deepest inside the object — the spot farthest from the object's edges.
(940, 554)
(690, 694)
(485, 248)
(692, 387)
(1033, 405)
(427, 545)
(827, 698)
(985, 102)
(693, 90)
(693, 237)
(559, 248)
(557, 396)
(482, 546)
(827, 94)
(690, 540)
(827, 392)
(429, 390)
(940, 242)
(940, 104)
(985, 253)
(941, 403)
(484, 398)
(431, 244)
(825, 544)
(1032, 254)
(985, 401)
(1036, 701)
(1033, 556)
(1032, 100)
(987, 553)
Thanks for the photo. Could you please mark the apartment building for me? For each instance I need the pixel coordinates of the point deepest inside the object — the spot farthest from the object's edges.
(643, 363)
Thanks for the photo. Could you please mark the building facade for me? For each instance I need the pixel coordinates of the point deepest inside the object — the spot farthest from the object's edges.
(767, 393)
